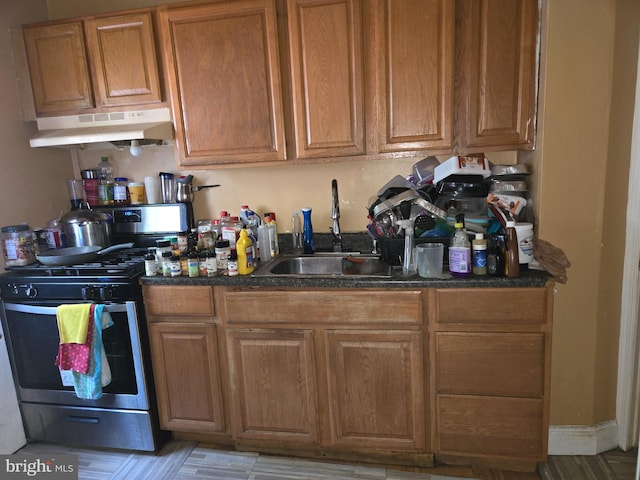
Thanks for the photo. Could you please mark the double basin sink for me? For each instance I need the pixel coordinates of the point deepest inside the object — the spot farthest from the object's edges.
(325, 264)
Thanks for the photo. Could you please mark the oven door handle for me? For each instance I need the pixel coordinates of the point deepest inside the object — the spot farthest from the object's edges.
(36, 309)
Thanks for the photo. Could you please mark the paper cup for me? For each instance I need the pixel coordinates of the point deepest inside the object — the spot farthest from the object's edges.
(152, 189)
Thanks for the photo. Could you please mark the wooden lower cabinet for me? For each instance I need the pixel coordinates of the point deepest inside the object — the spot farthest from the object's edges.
(445, 374)
(376, 389)
(274, 385)
(185, 358)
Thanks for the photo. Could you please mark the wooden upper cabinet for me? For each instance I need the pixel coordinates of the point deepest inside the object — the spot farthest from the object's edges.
(415, 74)
(326, 65)
(93, 63)
(58, 66)
(497, 73)
(224, 79)
(123, 57)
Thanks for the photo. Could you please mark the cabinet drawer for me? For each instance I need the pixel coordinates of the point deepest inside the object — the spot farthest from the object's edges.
(501, 427)
(325, 306)
(178, 300)
(505, 364)
(491, 305)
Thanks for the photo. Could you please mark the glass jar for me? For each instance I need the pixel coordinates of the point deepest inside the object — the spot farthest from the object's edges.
(105, 192)
(162, 246)
(223, 250)
(212, 265)
(18, 245)
(174, 266)
(150, 265)
(121, 191)
(194, 270)
(166, 264)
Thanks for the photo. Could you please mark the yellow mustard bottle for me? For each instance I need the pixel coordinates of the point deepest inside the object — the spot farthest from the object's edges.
(244, 249)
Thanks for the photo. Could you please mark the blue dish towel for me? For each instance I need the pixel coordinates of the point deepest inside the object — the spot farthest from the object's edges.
(89, 385)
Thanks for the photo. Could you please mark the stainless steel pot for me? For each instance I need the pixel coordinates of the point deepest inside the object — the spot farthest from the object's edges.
(87, 228)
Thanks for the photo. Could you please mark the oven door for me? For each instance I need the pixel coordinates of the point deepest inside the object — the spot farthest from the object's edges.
(32, 340)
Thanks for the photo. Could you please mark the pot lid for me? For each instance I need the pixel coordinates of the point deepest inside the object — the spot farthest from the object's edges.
(84, 216)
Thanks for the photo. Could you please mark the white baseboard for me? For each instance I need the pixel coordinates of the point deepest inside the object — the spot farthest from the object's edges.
(583, 440)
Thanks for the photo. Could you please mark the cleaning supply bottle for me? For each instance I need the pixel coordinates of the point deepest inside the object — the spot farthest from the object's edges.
(408, 259)
(307, 231)
(244, 249)
(460, 250)
(512, 265)
(274, 247)
(479, 255)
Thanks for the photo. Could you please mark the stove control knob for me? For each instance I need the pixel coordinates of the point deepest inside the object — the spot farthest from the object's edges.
(31, 291)
(106, 293)
(88, 293)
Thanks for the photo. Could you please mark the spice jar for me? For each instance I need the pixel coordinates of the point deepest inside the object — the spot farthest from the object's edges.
(18, 245)
(174, 266)
(192, 258)
(212, 265)
(166, 264)
(150, 265)
(223, 250)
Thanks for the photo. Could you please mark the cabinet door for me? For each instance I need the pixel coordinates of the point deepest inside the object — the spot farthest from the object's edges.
(497, 74)
(58, 67)
(415, 71)
(376, 389)
(274, 385)
(225, 82)
(124, 62)
(325, 48)
(187, 376)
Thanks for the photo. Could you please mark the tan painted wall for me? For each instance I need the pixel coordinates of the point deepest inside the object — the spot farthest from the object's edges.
(575, 162)
(32, 182)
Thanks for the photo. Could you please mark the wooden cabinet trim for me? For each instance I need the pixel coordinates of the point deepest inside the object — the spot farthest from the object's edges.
(502, 364)
(178, 301)
(491, 305)
(329, 306)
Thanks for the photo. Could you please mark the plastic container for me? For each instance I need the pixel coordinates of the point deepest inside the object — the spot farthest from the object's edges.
(263, 243)
(18, 245)
(296, 232)
(162, 246)
(460, 250)
(244, 249)
(274, 247)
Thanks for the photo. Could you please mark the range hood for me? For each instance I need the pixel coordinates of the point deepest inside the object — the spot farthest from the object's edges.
(73, 130)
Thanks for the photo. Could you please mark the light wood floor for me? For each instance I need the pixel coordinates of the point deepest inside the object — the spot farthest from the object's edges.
(184, 460)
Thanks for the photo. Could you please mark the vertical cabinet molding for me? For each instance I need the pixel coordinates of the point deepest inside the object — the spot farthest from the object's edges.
(497, 74)
(326, 64)
(415, 74)
(225, 82)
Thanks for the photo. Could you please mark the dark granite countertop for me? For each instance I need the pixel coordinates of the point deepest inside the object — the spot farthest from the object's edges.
(360, 243)
(530, 278)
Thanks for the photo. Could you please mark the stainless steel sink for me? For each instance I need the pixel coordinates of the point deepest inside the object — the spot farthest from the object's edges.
(325, 265)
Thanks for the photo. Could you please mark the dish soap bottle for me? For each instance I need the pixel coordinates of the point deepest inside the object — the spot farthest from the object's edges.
(460, 250)
(307, 231)
(244, 249)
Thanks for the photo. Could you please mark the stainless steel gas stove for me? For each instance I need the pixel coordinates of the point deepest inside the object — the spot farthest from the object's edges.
(125, 415)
